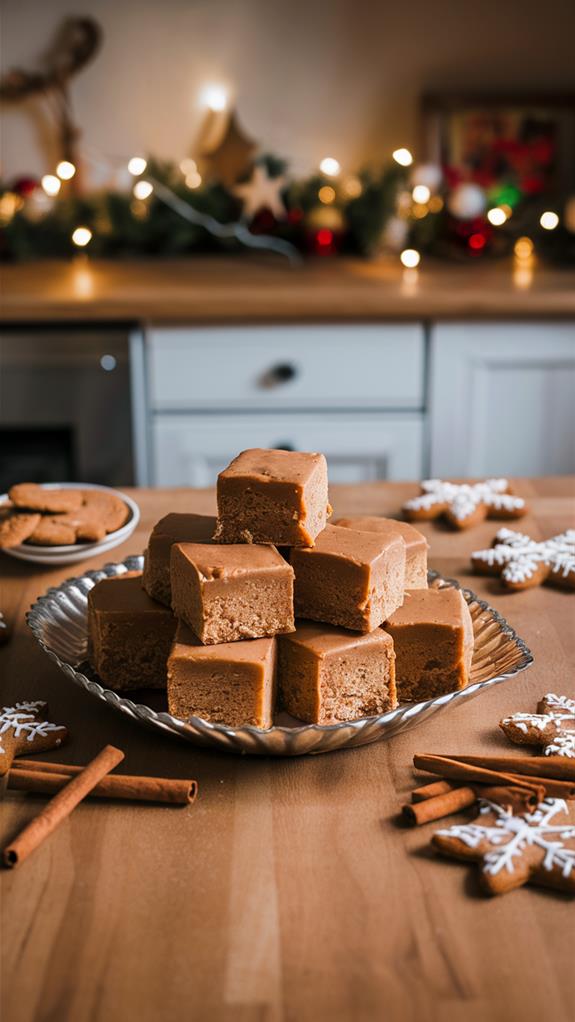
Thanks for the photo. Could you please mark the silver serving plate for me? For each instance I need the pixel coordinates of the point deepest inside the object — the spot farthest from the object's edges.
(58, 621)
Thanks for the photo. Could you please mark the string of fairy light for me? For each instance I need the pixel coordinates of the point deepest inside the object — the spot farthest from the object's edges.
(417, 202)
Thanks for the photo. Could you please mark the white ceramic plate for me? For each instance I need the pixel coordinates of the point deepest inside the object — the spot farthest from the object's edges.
(74, 553)
(59, 618)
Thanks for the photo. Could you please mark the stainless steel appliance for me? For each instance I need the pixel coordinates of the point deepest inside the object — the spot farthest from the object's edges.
(66, 410)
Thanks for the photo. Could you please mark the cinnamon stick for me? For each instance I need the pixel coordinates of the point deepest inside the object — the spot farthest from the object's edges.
(455, 771)
(60, 807)
(559, 767)
(142, 789)
(433, 789)
(439, 805)
(517, 799)
(553, 788)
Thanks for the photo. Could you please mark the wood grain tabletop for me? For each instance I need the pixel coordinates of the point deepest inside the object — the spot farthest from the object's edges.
(267, 289)
(288, 891)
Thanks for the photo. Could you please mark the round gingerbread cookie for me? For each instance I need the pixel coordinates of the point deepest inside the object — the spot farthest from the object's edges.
(16, 527)
(53, 530)
(110, 510)
(34, 498)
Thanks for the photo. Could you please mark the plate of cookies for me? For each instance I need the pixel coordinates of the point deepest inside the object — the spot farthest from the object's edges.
(64, 523)
(268, 630)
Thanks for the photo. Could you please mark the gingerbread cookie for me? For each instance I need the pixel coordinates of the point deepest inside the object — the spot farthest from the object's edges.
(466, 504)
(552, 728)
(515, 850)
(24, 731)
(521, 562)
(16, 527)
(99, 514)
(33, 497)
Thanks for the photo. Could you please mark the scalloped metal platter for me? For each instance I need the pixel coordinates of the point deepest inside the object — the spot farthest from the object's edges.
(58, 621)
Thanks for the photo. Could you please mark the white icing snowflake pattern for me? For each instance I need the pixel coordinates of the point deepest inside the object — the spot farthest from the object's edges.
(510, 836)
(556, 725)
(462, 501)
(22, 719)
(520, 557)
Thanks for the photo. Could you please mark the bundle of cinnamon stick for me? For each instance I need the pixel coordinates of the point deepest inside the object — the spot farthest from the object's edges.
(514, 781)
(71, 784)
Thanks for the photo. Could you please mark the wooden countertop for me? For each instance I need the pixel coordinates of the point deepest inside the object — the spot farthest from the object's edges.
(287, 891)
(251, 289)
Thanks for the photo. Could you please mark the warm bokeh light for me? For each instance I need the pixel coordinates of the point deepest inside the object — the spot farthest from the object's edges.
(549, 220)
(188, 166)
(330, 166)
(143, 189)
(403, 157)
(421, 193)
(353, 187)
(193, 179)
(496, 216)
(523, 248)
(51, 184)
(10, 203)
(326, 195)
(137, 165)
(82, 236)
(214, 97)
(410, 258)
(420, 211)
(65, 170)
(435, 204)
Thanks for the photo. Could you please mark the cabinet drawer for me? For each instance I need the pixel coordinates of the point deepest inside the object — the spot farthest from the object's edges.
(286, 367)
(190, 450)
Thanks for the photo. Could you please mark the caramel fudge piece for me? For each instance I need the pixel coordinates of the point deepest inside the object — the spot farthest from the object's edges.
(232, 683)
(174, 528)
(433, 638)
(349, 578)
(328, 674)
(129, 635)
(278, 497)
(227, 593)
(416, 545)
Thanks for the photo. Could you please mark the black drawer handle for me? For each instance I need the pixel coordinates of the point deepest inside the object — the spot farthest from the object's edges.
(279, 374)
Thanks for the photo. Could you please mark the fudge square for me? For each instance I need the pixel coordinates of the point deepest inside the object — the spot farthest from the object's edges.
(173, 528)
(416, 545)
(129, 634)
(228, 593)
(433, 637)
(349, 578)
(232, 683)
(328, 674)
(267, 496)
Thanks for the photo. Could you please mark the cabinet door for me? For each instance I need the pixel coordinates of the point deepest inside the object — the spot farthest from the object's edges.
(190, 450)
(502, 399)
(273, 368)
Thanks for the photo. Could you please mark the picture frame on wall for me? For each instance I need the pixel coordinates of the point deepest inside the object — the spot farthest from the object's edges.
(519, 148)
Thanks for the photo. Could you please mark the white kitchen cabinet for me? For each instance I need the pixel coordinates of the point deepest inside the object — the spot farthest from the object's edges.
(280, 367)
(190, 450)
(502, 399)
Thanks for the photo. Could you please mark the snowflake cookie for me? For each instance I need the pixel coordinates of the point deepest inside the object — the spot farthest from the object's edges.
(24, 731)
(464, 504)
(522, 562)
(515, 850)
(552, 727)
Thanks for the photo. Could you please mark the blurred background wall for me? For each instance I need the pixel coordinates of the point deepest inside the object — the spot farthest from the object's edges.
(308, 76)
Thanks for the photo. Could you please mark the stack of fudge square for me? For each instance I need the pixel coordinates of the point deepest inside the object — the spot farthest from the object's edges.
(270, 607)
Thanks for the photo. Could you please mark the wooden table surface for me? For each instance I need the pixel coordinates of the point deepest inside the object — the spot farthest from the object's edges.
(267, 289)
(288, 891)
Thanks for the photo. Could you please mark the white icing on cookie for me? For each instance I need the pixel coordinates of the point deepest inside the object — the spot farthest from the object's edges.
(22, 719)
(510, 836)
(462, 500)
(520, 557)
(556, 725)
